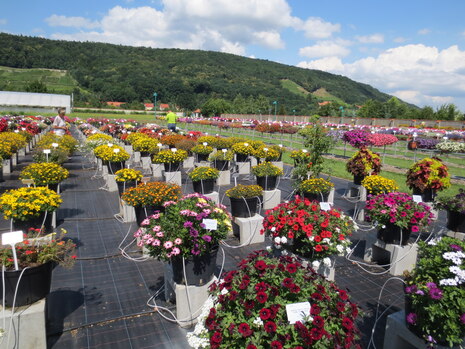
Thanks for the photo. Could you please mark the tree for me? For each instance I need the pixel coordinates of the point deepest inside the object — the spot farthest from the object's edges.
(216, 107)
(448, 112)
(37, 86)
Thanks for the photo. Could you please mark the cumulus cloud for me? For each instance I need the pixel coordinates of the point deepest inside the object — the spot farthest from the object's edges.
(75, 22)
(371, 39)
(416, 73)
(327, 48)
(317, 28)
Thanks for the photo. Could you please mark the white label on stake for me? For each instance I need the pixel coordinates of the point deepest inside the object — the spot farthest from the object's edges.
(110, 144)
(174, 150)
(204, 144)
(325, 206)
(297, 312)
(159, 145)
(116, 150)
(12, 237)
(210, 224)
(46, 151)
(224, 150)
(55, 145)
(417, 198)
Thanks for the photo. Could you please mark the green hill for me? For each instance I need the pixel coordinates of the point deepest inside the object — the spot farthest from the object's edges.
(188, 78)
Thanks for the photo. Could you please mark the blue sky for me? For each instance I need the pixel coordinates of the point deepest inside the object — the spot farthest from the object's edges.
(413, 49)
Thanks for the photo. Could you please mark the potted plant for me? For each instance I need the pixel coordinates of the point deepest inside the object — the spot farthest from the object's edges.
(127, 178)
(184, 232)
(455, 207)
(315, 189)
(202, 151)
(30, 207)
(397, 215)
(248, 308)
(203, 179)
(267, 175)
(45, 174)
(244, 199)
(428, 176)
(363, 163)
(149, 197)
(435, 310)
(36, 260)
(112, 155)
(300, 156)
(267, 153)
(171, 139)
(376, 185)
(171, 158)
(221, 159)
(302, 227)
(242, 150)
(145, 145)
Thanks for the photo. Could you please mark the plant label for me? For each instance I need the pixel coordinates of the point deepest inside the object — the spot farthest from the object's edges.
(297, 312)
(417, 198)
(116, 150)
(12, 237)
(210, 224)
(55, 145)
(325, 206)
(46, 151)
(27, 181)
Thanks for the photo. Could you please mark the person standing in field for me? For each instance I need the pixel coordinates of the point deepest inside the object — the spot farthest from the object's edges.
(59, 124)
(171, 118)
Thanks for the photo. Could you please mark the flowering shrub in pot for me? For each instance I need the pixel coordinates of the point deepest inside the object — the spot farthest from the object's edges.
(127, 178)
(455, 207)
(428, 174)
(242, 150)
(44, 173)
(448, 146)
(168, 156)
(267, 175)
(364, 163)
(171, 139)
(202, 151)
(248, 309)
(397, 210)
(435, 292)
(315, 188)
(380, 139)
(203, 179)
(152, 194)
(267, 153)
(244, 199)
(221, 158)
(376, 184)
(302, 227)
(145, 145)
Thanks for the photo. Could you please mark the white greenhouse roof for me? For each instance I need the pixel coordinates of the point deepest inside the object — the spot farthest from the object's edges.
(11, 98)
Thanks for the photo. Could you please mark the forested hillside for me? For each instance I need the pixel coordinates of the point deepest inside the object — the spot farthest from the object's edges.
(187, 78)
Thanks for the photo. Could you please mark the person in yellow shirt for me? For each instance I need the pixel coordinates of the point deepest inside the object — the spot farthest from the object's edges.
(171, 118)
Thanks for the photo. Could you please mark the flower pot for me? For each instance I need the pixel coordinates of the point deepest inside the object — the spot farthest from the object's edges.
(244, 208)
(199, 270)
(393, 234)
(358, 179)
(267, 182)
(33, 286)
(35, 222)
(172, 166)
(143, 211)
(123, 186)
(115, 166)
(1, 173)
(320, 197)
(412, 145)
(145, 154)
(242, 158)
(427, 195)
(221, 165)
(204, 186)
(202, 157)
(53, 186)
(456, 221)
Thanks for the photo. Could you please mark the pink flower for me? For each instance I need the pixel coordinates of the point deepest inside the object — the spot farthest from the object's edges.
(160, 234)
(415, 228)
(156, 242)
(138, 233)
(145, 222)
(156, 228)
(168, 244)
(178, 241)
(176, 251)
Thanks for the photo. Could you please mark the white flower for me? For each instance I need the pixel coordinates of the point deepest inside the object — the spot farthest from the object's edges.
(283, 240)
(273, 228)
(434, 242)
(268, 248)
(284, 253)
(340, 249)
(316, 264)
(311, 238)
(277, 240)
(327, 261)
(258, 321)
(326, 240)
(448, 282)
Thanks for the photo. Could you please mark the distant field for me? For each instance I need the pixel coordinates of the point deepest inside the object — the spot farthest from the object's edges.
(15, 79)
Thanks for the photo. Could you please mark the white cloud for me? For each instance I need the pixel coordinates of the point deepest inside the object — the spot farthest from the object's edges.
(333, 48)
(3, 21)
(317, 28)
(76, 22)
(424, 31)
(416, 73)
(371, 39)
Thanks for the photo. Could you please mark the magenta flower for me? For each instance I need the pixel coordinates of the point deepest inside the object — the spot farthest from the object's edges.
(411, 318)
(435, 293)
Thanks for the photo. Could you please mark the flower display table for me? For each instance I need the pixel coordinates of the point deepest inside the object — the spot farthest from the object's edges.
(157, 170)
(398, 336)
(146, 162)
(215, 196)
(188, 163)
(111, 182)
(127, 212)
(279, 164)
(271, 198)
(28, 326)
(399, 257)
(224, 178)
(7, 166)
(249, 229)
(243, 167)
(173, 177)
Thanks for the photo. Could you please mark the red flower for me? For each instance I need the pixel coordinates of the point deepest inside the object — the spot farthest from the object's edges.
(261, 286)
(315, 309)
(216, 339)
(317, 296)
(271, 219)
(316, 333)
(249, 304)
(260, 265)
(276, 345)
(287, 282)
(244, 329)
(291, 268)
(340, 306)
(261, 297)
(265, 313)
(251, 346)
(270, 327)
(294, 288)
(318, 321)
(318, 248)
(343, 295)
(347, 323)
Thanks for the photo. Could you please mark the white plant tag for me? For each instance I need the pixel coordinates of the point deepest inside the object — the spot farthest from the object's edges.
(116, 150)
(210, 224)
(325, 206)
(55, 145)
(417, 198)
(46, 151)
(12, 237)
(297, 311)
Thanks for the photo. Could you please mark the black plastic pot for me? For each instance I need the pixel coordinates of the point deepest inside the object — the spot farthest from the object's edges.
(244, 208)
(34, 285)
(221, 165)
(358, 179)
(113, 167)
(172, 166)
(242, 158)
(427, 195)
(267, 182)
(143, 211)
(455, 221)
(201, 157)
(199, 269)
(35, 222)
(204, 186)
(123, 186)
(393, 234)
(321, 197)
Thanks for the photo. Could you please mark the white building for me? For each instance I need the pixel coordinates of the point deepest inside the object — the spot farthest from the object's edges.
(37, 102)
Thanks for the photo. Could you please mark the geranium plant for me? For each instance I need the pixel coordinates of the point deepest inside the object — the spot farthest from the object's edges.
(28, 202)
(428, 173)
(44, 173)
(435, 290)
(267, 169)
(364, 163)
(376, 184)
(315, 186)
(398, 209)
(168, 156)
(151, 194)
(302, 227)
(203, 173)
(127, 175)
(248, 309)
(244, 191)
(182, 230)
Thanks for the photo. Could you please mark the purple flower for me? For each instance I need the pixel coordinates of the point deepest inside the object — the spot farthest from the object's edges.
(410, 289)
(431, 285)
(207, 238)
(187, 224)
(435, 293)
(462, 318)
(455, 247)
(412, 318)
(193, 232)
(420, 292)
